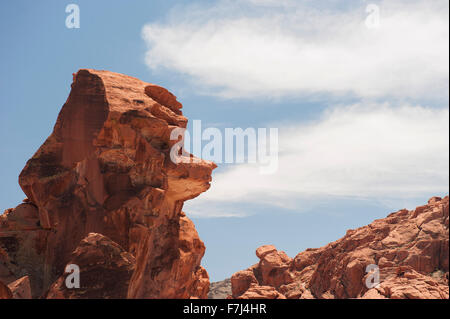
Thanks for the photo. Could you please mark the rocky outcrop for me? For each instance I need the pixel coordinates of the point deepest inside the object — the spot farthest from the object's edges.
(18, 289)
(5, 292)
(22, 245)
(410, 249)
(106, 169)
(21, 288)
(261, 292)
(105, 271)
(172, 267)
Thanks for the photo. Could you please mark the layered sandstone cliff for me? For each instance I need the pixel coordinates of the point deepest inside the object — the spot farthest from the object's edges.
(410, 249)
(103, 193)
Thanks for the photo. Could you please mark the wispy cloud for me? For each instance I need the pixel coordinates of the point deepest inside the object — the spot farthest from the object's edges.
(375, 152)
(254, 48)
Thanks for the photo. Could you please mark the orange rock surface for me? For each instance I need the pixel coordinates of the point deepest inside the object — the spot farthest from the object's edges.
(106, 169)
(5, 292)
(21, 288)
(411, 249)
(105, 271)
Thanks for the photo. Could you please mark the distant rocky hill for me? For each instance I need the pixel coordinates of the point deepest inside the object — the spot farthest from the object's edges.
(408, 251)
(220, 289)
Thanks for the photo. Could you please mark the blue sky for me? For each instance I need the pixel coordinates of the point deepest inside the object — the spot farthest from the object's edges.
(362, 112)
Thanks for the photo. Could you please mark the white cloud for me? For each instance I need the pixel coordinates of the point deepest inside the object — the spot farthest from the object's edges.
(374, 152)
(256, 48)
(266, 48)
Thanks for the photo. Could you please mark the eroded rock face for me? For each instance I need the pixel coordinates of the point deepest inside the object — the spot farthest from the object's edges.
(161, 270)
(105, 271)
(21, 288)
(5, 292)
(106, 169)
(22, 246)
(410, 248)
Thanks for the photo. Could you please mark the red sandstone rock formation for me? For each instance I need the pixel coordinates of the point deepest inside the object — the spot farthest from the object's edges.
(106, 169)
(21, 288)
(411, 249)
(5, 292)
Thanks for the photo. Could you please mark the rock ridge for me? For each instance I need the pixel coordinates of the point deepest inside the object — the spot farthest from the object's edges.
(410, 249)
